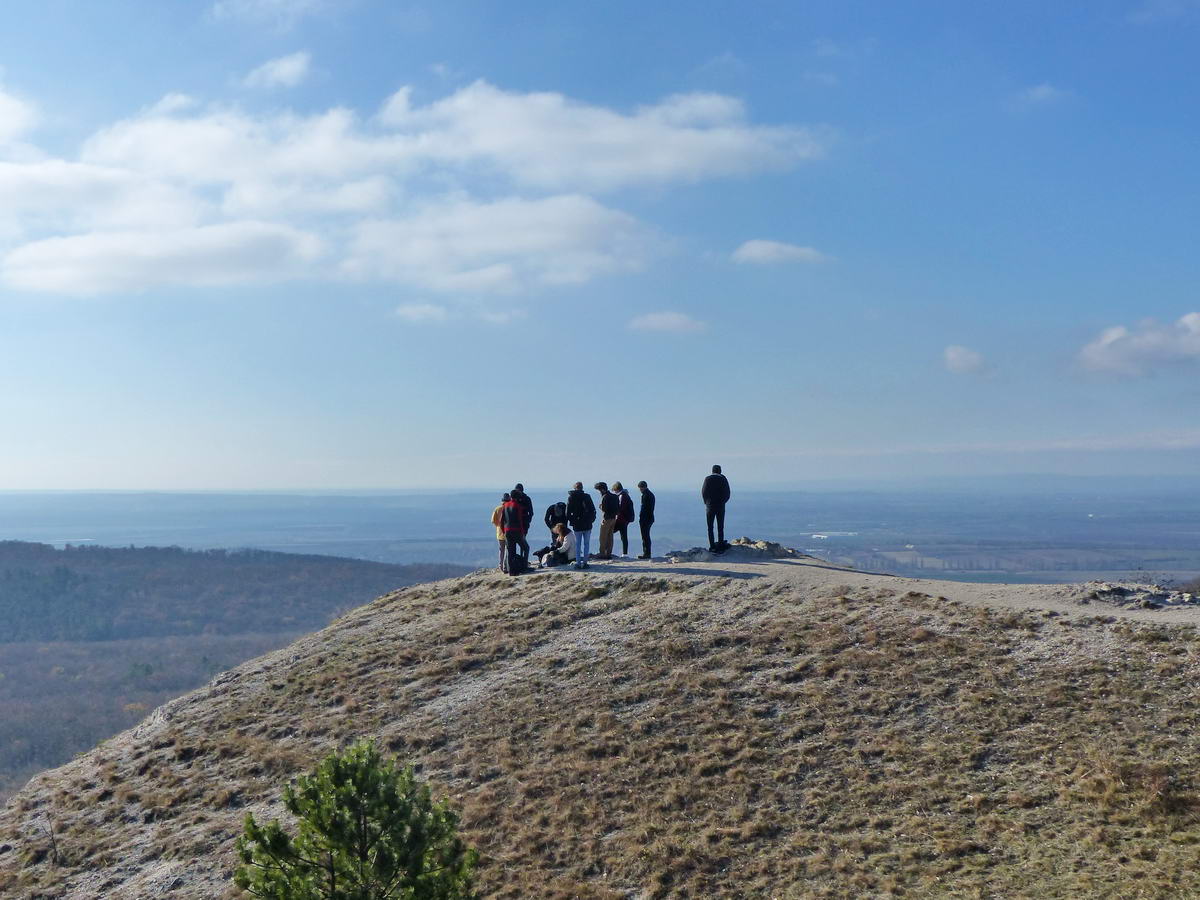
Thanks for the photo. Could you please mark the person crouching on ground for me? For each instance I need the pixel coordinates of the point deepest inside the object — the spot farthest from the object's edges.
(625, 515)
(561, 552)
(498, 521)
(645, 518)
(609, 507)
(581, 514)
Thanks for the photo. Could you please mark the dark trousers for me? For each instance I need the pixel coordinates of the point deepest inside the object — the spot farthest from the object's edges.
(715, 512)
(513, 541)
(645, 527)
(623, 530)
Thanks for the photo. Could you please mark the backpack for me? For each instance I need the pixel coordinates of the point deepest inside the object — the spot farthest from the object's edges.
(625, 513)
(516, 563)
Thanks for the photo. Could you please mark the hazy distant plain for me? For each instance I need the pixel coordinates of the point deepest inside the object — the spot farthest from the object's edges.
(1046, 532)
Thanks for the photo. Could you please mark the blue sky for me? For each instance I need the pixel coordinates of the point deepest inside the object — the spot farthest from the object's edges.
(349, 244)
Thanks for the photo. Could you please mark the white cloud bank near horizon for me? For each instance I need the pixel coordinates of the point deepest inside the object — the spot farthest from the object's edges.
(1120, 350)
(483, 190)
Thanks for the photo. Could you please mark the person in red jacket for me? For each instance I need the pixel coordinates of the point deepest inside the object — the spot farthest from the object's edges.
(512, 520)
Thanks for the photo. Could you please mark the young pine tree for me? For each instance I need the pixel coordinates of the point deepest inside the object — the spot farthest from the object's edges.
(368, 830)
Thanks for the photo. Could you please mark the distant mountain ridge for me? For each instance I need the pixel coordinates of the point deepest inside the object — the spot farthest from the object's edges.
(91, 638)
(91, 593)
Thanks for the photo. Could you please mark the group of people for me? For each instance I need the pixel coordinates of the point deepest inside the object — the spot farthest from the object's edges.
(570, 523)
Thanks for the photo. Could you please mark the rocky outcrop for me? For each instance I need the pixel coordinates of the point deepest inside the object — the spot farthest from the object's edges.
(741, 549)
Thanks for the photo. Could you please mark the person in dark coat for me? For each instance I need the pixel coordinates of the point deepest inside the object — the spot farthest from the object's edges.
(512, 520)
(610, 505)
(645, 517)
(523, 500)
(556, 514)
(625, 515)
(581, 515)
(715, 494)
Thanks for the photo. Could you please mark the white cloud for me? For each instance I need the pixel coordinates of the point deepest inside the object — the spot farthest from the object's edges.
(421, 313)
(765, 252)
(1152, 12)
(173, 102)
(963, 361)
(1151, 345)
(546, 140)
(276, 13)
(53, 195)
(286, 71)
(17, 117)
(503, 246)
(500, 316)
(408, 196)
(97, 263)
(671, 322)
(1043, 94)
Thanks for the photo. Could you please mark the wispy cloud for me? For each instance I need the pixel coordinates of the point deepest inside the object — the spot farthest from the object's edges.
(548, 141)
(275, 13)
(1143, 349)
(762, 252)
(501, 247)
(422, 313)
(212, 255)
(286, 72)
(670, 322)
(1044, 94)
(963, 360)
(1152, 12)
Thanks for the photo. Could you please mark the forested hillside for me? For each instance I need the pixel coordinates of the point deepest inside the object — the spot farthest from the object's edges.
(91, 638)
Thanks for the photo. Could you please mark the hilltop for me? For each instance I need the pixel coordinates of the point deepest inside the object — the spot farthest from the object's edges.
(727, 728)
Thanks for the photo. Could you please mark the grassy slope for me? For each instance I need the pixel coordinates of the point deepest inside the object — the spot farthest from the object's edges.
(624, 736)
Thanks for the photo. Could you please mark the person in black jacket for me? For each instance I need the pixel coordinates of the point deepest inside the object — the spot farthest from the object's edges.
(524, 501)
(645, 518)
(715, 494)
(581, 514)
(625, 515)
(556, 514)
(610, 505)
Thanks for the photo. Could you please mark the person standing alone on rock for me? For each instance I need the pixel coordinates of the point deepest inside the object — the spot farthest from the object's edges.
(715, 494)
(581, 513)
(645, 517)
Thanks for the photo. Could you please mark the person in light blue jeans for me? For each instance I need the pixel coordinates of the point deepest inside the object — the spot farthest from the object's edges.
(581, 513)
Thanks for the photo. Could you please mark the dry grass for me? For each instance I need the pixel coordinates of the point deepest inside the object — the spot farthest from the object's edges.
(654, 737)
